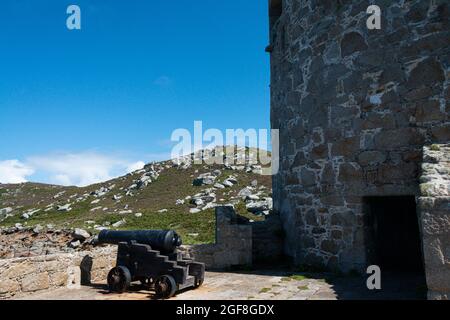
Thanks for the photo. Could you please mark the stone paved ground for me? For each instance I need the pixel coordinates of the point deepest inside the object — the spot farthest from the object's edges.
(259, 285)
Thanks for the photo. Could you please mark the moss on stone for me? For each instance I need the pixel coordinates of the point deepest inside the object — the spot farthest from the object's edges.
(264, 290)
(435, 147)
(426, 189)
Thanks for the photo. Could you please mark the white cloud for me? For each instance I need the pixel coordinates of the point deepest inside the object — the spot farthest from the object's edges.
(80, 169)
(163, 156)
(62, 179)
(14, 171)
(135, 166)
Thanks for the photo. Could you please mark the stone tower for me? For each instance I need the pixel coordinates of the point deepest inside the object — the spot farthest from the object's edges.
(355, 109)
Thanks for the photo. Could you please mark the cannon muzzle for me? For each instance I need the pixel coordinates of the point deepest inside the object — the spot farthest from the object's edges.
(162, 240)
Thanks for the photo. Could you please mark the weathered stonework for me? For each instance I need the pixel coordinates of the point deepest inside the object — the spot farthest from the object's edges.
(434, 208)
(233, 246)
(354, 108)
(20, 276)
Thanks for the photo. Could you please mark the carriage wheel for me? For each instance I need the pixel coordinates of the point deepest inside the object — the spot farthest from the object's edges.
(119, 279)
(165, 287)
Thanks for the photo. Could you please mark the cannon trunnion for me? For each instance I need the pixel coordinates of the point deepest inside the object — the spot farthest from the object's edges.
(156, 262)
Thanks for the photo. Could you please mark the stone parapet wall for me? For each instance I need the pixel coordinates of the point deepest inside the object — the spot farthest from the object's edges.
(434, 210)
(21, 276)
(233, 246)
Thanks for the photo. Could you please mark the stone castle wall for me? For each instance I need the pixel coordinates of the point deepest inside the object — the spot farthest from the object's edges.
(21, 276)
(434, 210)
(354, 108)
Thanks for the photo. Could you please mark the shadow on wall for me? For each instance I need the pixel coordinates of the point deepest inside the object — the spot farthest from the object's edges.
(86, 269)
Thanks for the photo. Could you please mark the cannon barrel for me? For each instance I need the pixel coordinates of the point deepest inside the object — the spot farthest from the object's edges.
(162, 240)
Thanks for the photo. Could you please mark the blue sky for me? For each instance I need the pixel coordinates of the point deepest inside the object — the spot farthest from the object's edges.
(82, 106)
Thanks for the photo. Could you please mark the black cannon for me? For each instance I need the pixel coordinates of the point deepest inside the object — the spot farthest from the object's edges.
(151, 257)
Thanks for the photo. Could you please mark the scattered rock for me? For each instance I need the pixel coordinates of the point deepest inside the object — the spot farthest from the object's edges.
(28, 214)
(204, 179)
(247, 191)
(125, 211)
(119, 224)
(38, 229)
(252, 197)
(204, 198)
(232, 179)
(144, 182)
(100, 192)
(217, 173)
(80, 234)
(5, 211)
(194, 235)
(228, 184)
(198, 202)
(258, 207)
(59, 194)
(65, 208)
(75, 244)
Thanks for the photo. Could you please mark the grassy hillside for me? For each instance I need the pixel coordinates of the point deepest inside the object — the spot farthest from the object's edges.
(138, 208)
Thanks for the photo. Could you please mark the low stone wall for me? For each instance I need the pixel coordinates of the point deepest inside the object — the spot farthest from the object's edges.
(21, 276)
(434, 210)
(233, 245)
